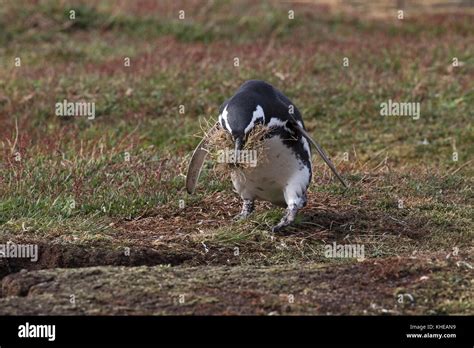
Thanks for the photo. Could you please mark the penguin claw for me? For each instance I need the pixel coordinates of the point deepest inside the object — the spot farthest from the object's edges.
(281, 225)
(276, 228)
(286, 220)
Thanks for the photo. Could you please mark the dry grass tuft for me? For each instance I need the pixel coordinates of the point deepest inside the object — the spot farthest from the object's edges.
(221, 149)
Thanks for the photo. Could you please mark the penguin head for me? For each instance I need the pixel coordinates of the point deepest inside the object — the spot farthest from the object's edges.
(239, 120)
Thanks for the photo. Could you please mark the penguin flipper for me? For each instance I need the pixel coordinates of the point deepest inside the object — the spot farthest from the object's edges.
(320, 151)
(197, 160)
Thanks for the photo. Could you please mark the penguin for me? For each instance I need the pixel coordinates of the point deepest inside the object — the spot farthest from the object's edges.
(283, 179)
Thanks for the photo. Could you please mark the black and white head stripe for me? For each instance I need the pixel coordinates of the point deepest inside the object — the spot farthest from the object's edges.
(241, 121)
(257, 115)
(223, 120)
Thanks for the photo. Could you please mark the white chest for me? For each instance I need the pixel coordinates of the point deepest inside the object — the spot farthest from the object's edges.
(281, 176)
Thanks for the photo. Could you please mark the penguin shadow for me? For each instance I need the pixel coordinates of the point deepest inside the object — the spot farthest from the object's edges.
(307, 223)
(338, 224)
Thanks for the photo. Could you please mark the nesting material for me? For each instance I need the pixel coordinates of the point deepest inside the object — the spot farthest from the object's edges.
(222, 150)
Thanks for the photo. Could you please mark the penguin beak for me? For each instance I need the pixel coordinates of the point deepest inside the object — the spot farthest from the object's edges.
(239, 144)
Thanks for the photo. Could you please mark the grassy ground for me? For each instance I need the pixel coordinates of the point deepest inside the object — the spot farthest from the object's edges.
(90, 191)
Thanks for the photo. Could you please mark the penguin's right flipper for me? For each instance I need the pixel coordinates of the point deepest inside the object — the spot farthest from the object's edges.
(320, 151)
(195, 166)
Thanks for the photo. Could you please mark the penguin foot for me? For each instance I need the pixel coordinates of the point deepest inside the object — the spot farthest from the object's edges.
(282, 224)
(286, 220)
(247, 209)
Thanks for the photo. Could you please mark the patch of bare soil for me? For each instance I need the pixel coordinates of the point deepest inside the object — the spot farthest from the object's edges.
(170, 224)
(391, 286)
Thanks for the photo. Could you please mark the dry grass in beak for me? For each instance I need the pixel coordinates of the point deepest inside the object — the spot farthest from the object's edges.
(221, 149)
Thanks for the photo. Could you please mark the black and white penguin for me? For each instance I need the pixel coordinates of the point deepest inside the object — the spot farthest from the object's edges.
(285, 175)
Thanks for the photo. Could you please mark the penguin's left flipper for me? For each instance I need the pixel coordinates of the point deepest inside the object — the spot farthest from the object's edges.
(195, 166)
(320, 151)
